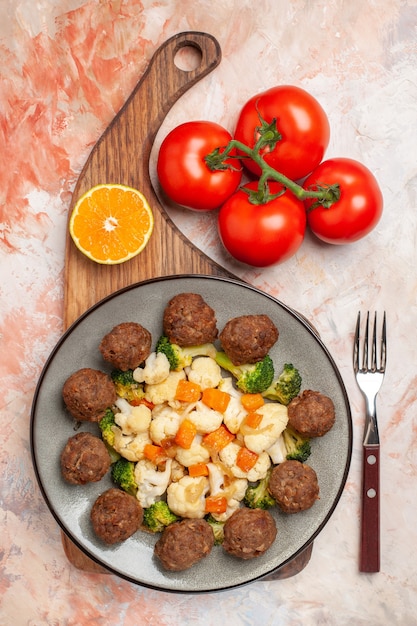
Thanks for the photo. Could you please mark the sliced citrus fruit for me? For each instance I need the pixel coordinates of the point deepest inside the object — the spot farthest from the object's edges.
(111, 223)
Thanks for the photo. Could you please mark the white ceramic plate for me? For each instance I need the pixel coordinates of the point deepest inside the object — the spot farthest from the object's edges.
(51, 427)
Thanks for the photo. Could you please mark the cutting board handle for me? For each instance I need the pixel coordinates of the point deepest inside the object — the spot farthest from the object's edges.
(165, 63)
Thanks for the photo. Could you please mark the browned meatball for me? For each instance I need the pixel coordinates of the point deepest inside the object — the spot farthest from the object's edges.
(126, 346)
(189, 321)
(184, 543)
(311, 414)
(248, 338)
(88, 393)
(249, 533)
(294, 486)
(84, 459)
(115, 516)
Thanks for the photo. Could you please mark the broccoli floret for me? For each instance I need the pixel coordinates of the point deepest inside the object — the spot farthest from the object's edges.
(123, 475)
(107, 434)
(257, 495)
(157, 516)
(217, 528)
(105, 425)
(250, 377)
(286, 387)
(298, 447)
(180, 357)
(126, 386)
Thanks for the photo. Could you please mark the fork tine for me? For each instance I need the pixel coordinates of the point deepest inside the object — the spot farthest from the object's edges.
(383, 344)
(365, 345)
(373, 354)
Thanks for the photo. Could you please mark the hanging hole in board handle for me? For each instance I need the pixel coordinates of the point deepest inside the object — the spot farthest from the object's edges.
(188, 58)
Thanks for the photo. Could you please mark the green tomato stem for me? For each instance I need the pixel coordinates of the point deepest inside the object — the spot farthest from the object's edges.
(325, 195)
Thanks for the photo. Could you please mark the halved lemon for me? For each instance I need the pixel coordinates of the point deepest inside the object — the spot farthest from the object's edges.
(111, 223)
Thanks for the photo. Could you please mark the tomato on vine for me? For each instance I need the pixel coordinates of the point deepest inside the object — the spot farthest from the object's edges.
(182, 170)
(302, 130)
(358, 209)
(281, 136)
(262, 234)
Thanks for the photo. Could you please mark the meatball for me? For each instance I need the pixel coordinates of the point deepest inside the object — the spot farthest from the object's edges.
(116, 516)
(84, 459)
(126, 346)
(311, 414)
(88, 393)
(294, 486)
(248, 338)
(189, 321)
(249, 533)
(184, 543)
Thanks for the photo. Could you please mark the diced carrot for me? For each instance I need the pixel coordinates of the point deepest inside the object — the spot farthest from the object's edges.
(216, 399)
(185, 434)
(187, 391)
(198, 469)
(252, 401)
(218, 439)
(246, 459)
(253, 419)
(216, 504)
(154, 453)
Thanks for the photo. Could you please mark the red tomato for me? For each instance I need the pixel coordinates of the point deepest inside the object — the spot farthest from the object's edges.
(183, 173)
(358, 209)
(302, 123)
(264, 234)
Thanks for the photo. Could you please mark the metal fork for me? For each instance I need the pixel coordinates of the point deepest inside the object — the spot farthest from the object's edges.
(369, 376)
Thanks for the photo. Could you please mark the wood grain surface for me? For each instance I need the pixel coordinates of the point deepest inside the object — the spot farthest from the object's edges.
(122, 156)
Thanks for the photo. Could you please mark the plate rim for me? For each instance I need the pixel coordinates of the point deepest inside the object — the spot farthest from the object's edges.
(225, 279)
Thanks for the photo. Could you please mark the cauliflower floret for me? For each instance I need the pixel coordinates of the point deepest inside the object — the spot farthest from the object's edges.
(152, 483)
(216, 479)
(177, 471)
(236, 490)
(156, 369)
(196, 454)
(136, 447)
(278, 451)
(186, 497)
(235, 413)
(205, 419)
(124, 406)
(205, 372)
(130, 446)
(165, 391)
(164, 424)
(226, 384)
(136, 421)
(228, 456)
(233, 489)
(274, 421)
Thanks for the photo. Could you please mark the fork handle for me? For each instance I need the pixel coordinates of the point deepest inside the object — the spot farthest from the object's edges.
(370, 531)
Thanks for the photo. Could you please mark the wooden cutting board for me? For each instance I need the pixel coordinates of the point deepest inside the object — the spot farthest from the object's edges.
(121, 155)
